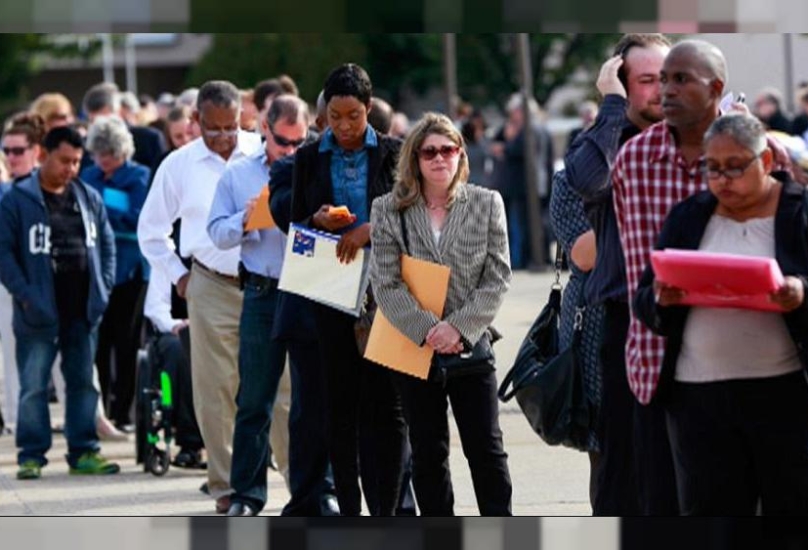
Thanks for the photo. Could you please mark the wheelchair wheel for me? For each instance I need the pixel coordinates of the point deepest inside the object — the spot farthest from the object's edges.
(157, 462)
(143, 384)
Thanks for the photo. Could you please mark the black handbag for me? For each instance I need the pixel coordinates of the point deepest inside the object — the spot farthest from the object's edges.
(548, 384)
(479, 360)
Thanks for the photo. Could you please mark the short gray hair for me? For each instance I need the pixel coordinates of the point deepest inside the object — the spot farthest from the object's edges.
(100, 96)
(109, 135)
(746, 130)
(219, 93)
(130, 101)
(288, 108)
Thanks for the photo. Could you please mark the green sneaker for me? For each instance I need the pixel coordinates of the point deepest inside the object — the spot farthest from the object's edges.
(93, 464)
(30, 469)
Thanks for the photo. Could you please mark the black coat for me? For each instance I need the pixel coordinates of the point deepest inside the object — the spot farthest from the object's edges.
(150, 145)
(684, 229)
(312, 186)
(294, 316)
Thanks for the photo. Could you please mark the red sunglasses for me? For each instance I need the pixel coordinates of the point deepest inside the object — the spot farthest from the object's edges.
(446, 151)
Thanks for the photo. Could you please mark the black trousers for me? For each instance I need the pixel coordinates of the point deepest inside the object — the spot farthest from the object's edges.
(361, 403)
(740, 442)
(119, 336)
(176, 361)
(613, 487)
(476, 412)
(653, 461)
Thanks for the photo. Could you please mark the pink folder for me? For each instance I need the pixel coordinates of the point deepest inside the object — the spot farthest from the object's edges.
(719, 280)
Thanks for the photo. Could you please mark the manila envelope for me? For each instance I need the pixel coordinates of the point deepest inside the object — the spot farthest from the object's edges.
(428, 283)
(261, 217)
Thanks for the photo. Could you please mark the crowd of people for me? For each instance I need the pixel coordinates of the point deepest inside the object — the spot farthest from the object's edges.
(129, 228)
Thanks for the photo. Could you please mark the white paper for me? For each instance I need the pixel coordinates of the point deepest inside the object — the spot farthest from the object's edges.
(311, 269)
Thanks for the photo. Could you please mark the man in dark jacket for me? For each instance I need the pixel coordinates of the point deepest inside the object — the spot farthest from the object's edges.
(57, 260)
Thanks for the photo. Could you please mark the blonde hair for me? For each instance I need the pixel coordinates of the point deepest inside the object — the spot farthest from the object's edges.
(48, 105)
(407, 188)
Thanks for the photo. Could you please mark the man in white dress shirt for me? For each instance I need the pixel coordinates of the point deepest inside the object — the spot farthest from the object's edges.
(183, 188)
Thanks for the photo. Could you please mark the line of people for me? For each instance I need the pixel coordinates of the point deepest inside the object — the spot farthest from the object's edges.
(705, 421)
(70, 251)
(699, 407)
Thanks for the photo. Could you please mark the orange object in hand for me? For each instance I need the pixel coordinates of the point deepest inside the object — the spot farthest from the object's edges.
(340, 211)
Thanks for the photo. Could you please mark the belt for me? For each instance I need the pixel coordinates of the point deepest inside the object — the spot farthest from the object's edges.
(229, 278)
(254, 279)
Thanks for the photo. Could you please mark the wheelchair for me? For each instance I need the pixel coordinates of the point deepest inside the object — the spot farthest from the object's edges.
(153, 410)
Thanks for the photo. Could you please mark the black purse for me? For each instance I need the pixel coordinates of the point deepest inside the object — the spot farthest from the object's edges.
(548, 384)
(479, 359)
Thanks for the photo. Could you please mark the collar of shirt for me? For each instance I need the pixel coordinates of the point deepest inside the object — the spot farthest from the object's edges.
(668, 149)
(200, 150)
(329, 143)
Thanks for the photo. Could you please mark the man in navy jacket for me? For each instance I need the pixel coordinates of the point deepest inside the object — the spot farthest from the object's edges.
(57, 260)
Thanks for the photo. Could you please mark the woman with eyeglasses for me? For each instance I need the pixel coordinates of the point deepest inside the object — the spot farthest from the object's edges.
(20, 146)
(433, 214)
(734, 380)
(20, 143)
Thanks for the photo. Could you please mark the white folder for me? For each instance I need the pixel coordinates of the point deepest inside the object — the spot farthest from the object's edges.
(312, 269)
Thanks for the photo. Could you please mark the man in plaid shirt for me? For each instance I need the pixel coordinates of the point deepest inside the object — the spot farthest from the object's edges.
(652, 173)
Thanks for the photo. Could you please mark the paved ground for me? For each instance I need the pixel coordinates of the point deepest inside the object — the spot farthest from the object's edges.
(546, 480)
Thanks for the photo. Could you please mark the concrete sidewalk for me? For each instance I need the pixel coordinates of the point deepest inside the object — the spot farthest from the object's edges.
(546, 480)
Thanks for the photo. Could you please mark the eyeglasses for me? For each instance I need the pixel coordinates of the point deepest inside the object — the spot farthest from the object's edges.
(735, 172)
(283, 142)
(446, 151)
(219, 133)
(15, 151)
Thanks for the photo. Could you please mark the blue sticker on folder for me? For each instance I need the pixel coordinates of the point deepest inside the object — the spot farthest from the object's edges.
(303, 244)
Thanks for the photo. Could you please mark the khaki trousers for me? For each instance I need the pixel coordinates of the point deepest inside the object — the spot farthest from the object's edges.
(214, 311)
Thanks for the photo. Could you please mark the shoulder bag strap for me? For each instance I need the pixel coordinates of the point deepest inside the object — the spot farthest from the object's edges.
(404, 232)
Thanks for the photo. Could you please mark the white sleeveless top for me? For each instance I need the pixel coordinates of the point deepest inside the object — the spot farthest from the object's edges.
(725, 344)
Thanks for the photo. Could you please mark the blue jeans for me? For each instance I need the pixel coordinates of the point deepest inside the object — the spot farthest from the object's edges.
(260, 364)
(35, 355)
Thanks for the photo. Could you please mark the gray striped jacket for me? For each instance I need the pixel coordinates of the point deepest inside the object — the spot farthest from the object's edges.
(473, 244)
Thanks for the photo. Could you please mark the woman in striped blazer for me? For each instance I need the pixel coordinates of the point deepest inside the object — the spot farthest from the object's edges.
(463, 227)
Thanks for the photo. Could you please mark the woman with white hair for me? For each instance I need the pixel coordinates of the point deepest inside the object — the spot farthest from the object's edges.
(733, 381)
(123, 185)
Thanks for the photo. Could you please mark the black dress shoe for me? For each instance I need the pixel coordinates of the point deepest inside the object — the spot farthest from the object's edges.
(191, 460)
(329, 507)
(241, 509)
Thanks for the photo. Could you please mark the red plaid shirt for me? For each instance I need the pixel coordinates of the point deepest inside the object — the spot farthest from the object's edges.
(650, 177)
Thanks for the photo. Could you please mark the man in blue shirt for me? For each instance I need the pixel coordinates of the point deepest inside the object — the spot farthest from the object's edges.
(261, 359)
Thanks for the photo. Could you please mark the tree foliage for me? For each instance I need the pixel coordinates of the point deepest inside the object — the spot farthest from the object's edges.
(19, 55)
(487, 67)
(246, 59)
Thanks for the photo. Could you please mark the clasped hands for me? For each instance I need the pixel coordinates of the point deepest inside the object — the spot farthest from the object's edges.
(444, 339)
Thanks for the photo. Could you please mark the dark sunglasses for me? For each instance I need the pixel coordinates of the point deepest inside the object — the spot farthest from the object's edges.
(16, 151)
(283, 142)
(446, 151)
